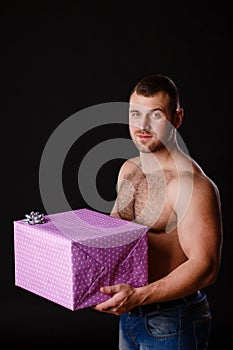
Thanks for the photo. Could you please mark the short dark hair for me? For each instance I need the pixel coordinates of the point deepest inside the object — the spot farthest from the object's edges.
(154, 83)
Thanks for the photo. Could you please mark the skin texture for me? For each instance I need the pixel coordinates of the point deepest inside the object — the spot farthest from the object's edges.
(166, 190)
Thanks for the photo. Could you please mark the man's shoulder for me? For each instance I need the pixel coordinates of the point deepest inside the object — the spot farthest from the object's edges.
(200, 178)
(195, 183)
(131, 164)
(130, 170)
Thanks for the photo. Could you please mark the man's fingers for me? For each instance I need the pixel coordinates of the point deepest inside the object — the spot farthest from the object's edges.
(109, 289)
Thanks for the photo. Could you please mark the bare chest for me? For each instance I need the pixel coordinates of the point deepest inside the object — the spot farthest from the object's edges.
(145, 200)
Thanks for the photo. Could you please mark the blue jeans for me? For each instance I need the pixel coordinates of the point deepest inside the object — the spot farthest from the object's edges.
(185, 326)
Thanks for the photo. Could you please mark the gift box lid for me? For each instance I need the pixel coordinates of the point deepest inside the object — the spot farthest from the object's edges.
(88, 227)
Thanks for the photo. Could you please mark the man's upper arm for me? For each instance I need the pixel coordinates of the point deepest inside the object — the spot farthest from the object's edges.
(200, 226)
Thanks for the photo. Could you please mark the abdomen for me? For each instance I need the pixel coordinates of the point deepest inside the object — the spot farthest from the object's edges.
(165, 254)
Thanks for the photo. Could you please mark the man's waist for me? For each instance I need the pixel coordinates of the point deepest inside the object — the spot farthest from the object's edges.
(145, 309)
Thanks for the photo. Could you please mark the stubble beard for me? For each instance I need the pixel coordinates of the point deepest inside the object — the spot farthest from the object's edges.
(150, 148)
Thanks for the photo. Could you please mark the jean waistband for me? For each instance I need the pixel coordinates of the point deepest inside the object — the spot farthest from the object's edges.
(145, 309)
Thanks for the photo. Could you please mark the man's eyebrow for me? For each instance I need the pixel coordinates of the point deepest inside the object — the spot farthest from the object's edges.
(149, 111)
(156, 109)
(134, 110)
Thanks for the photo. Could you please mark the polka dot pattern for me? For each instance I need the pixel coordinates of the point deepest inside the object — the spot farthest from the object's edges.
(70, 269)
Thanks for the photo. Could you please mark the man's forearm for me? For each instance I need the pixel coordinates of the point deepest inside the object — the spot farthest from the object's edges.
(184, 280)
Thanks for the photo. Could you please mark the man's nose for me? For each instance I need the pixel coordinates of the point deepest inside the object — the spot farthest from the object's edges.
(145, 123)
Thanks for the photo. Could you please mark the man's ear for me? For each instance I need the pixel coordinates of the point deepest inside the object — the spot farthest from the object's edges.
(178, 118)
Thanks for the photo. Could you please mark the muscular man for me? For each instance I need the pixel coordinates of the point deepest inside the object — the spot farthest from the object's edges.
(165, 189)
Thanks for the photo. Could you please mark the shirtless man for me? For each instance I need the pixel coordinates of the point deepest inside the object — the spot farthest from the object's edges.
(166, 190)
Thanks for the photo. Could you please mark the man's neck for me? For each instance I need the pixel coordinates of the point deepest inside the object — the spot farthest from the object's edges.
(157, 161)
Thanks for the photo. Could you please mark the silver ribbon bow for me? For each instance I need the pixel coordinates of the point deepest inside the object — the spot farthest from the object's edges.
(34, 218)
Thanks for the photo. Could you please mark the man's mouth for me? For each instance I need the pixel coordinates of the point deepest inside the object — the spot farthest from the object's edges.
(144, 136)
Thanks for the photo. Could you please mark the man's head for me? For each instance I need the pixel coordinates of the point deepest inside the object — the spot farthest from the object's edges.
(152, 84)
(154, 113)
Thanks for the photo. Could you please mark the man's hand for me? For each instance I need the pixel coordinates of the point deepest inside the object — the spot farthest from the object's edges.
(123, 299)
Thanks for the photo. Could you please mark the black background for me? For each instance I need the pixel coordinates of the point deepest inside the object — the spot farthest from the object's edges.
(57, 61)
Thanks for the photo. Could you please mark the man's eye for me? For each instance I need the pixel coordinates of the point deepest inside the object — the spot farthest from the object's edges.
(155, 115)
(135, 115)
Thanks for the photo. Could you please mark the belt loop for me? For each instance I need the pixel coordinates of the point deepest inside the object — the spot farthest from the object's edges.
(141, 313)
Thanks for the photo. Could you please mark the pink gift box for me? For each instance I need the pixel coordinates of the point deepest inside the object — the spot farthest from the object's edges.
(69, 257)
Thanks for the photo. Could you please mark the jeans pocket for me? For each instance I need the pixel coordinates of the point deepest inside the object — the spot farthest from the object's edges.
(162, 323)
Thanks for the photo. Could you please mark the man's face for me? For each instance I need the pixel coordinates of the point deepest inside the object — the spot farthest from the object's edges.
(150, 121)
